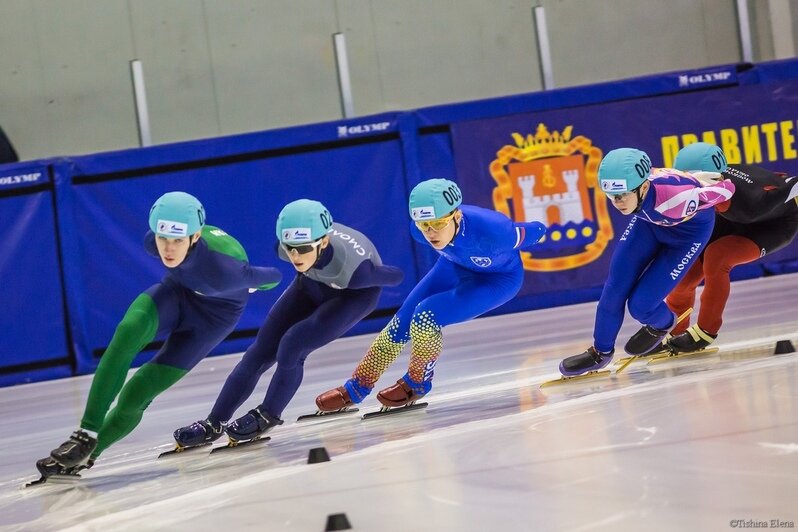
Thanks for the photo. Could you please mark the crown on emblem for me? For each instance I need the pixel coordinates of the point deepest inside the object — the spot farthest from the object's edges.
(545, 144)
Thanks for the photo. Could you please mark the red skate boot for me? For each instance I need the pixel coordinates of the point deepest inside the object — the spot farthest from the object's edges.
(400, 394)
(331, 403)
(401, 397)
(334, 400)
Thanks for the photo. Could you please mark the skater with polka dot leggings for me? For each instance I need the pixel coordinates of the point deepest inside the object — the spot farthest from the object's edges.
(479, 268)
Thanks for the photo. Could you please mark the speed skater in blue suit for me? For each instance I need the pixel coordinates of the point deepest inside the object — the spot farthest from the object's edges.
(478, 268)
(671, 224)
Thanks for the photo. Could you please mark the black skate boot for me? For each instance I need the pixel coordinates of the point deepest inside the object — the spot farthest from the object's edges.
(76, 450)
(199, 433)
(252, 425)
(693, 339)
(48, 467)
(645, 340)
(590, 360)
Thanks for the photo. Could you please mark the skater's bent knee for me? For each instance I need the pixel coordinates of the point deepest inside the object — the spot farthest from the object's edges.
(640, 310)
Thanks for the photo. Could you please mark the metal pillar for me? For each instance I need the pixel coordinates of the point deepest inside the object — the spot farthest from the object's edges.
(140, 97)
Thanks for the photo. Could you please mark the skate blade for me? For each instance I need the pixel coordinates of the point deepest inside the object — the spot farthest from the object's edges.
(579, 378)
(388, 410)
(54, 479)
(648, 356)
(668, 357)
(35, 483)
(63, 479)
(326, 415)
(239, 445)
(180, 450)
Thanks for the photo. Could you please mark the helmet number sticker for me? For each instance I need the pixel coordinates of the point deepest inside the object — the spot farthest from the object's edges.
(452, 195)
(643, 167)
(326, 219)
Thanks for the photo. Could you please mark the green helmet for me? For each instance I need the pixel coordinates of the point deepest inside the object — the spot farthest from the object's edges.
(303, 221)
(700, 156)
(434, 198)
(623, 170)
(176, 215)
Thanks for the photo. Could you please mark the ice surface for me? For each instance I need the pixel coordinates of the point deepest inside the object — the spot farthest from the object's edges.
(686, 445)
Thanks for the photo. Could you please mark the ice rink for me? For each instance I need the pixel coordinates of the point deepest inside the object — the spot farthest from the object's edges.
(704, 444)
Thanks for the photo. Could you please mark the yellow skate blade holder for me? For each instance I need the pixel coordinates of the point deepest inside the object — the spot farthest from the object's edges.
(570, 380)
(689, 354)
(626, 364)
(635, 357)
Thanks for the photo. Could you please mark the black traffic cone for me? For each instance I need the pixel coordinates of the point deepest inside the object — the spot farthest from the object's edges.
(783, 347)
(337, 522)
(319, 454)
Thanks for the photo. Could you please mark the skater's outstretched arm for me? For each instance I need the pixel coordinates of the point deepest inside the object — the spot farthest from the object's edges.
(677, 195)
(217, 265)
(528, 234)
(369, 274)
(249, 276)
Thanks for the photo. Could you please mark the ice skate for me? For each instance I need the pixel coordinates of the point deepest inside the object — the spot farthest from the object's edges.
(331, 403)
(587, 362)
(51, 471)
(249, 428)
(645, 340)
(199, 434)
(334, 400)
(693, 342)
(586, 365)
(401, 397)
(693, 339)
(662, 349)
(76, 450)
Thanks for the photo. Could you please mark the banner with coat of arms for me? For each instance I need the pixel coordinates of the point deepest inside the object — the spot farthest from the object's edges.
(552, 178)
(544, 166)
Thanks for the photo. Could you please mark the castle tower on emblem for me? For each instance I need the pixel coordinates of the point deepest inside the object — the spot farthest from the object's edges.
(551, 178)
(568, 203)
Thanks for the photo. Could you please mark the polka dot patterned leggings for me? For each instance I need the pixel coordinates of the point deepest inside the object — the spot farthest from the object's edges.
(447, 294)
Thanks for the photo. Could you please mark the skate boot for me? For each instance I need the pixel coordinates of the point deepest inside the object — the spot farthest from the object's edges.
(693, 339)
(198, 433)
(645, 340)
(48, 467)
(405, 391)
(351, 393)
(590, 360)
(76, 450)
(334, 400)
(253, 424)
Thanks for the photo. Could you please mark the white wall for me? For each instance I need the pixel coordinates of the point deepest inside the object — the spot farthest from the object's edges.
(217, 67)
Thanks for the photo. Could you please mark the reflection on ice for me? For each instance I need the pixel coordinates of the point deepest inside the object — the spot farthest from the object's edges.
(689, 444)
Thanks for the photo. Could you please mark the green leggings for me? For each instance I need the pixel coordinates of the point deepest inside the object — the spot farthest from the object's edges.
(137, 394)
(136, 330)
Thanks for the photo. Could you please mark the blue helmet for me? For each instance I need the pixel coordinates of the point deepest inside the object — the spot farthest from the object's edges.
(700, 156)
(303, 221)
(623, 170)
(176, 215)
(434, 198)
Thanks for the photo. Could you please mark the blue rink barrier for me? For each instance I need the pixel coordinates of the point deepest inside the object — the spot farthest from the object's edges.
(33, 321)
(74, 233)
(243, 182)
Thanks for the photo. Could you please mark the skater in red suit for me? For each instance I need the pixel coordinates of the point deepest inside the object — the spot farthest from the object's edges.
(761, 218)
